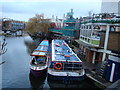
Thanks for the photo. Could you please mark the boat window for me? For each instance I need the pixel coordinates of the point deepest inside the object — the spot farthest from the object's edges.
(33, 61)
(41, 59)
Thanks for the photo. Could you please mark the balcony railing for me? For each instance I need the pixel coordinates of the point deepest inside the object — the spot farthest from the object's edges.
(92, 41)
(69, 21)
(67, 27)
(110, 21)
(56, 30)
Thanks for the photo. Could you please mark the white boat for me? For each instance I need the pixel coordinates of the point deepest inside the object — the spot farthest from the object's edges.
(65, 65)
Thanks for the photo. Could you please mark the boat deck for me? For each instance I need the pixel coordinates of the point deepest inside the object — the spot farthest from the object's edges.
(62, 52)
(42, 49)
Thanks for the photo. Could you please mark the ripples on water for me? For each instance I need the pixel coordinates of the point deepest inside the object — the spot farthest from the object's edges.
(16, 71)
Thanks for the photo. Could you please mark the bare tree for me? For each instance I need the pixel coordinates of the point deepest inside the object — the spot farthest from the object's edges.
(38, 24)
(2, 47)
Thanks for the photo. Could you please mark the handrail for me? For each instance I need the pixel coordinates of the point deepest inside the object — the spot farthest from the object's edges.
(110, 21)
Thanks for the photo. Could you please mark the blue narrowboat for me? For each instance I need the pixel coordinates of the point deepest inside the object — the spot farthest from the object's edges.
(38, 63)
(64, 65)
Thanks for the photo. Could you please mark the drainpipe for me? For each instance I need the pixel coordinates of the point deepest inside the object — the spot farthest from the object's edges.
(93, 59)
(106, 42)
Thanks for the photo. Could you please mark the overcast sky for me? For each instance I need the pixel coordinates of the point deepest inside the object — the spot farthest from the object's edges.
(25, 9)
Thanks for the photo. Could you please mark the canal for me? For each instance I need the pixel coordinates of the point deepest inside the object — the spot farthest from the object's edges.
(16, 71)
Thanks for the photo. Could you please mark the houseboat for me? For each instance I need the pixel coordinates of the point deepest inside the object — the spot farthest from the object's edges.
(64, 65)
(38, 63)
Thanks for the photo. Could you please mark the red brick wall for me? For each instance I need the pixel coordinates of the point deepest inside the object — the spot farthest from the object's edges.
(89, 55)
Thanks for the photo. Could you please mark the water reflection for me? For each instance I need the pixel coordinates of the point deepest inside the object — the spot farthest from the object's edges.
(55, 85)
(84, 84)
(37, 83)
(31, 45)
(15, 70)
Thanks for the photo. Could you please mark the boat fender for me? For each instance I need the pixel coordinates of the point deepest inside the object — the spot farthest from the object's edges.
(58, 66)
(57, 45)
(66, 55)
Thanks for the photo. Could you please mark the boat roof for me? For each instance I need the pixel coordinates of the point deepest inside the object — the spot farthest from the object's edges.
(62, 52)
(36, 53)
(44, 42)
(41, 49)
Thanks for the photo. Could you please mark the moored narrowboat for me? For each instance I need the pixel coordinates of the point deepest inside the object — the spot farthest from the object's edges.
(39, 61)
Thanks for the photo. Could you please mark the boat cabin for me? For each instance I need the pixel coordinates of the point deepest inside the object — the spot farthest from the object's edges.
(63, 58)
(39, 55)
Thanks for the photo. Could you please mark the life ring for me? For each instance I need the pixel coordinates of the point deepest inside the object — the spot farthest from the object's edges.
(58, 66)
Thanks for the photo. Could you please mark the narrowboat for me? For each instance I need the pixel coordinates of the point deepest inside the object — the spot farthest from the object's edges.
(64, 65)
(39, 60)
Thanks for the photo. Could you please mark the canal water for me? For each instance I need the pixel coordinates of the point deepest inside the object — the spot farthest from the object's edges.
(16, 71)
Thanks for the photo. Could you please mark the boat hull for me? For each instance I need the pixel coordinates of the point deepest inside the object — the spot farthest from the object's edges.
(39, 73)
(65, 79)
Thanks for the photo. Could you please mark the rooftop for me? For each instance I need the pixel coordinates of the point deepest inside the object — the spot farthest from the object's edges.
(62, 52)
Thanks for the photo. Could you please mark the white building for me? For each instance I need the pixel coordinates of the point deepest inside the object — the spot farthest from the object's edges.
(110, 7)
(58, 22)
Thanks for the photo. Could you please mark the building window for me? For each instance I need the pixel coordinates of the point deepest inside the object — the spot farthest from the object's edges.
(112, 28)
(88, 40)
(84, 27)
(89, 27)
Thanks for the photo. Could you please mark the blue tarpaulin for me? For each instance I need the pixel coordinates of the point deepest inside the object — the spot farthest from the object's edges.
(44, 43)
(63, 52)
(41, 49)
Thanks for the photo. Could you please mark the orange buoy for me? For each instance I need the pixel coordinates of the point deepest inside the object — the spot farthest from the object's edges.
(58, 66)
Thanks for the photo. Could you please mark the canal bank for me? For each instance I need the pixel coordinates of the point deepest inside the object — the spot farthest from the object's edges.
(92, 70)
(92, 77)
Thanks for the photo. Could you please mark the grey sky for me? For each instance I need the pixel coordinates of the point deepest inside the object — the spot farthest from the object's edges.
(25, 10)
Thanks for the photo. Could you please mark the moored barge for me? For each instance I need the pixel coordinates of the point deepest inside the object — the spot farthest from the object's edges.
(39, 61)
(64, 66)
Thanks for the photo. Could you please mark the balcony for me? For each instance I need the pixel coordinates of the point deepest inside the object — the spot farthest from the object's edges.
(56, 30)
(69, 28)
(110, 21)
(69, 21)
